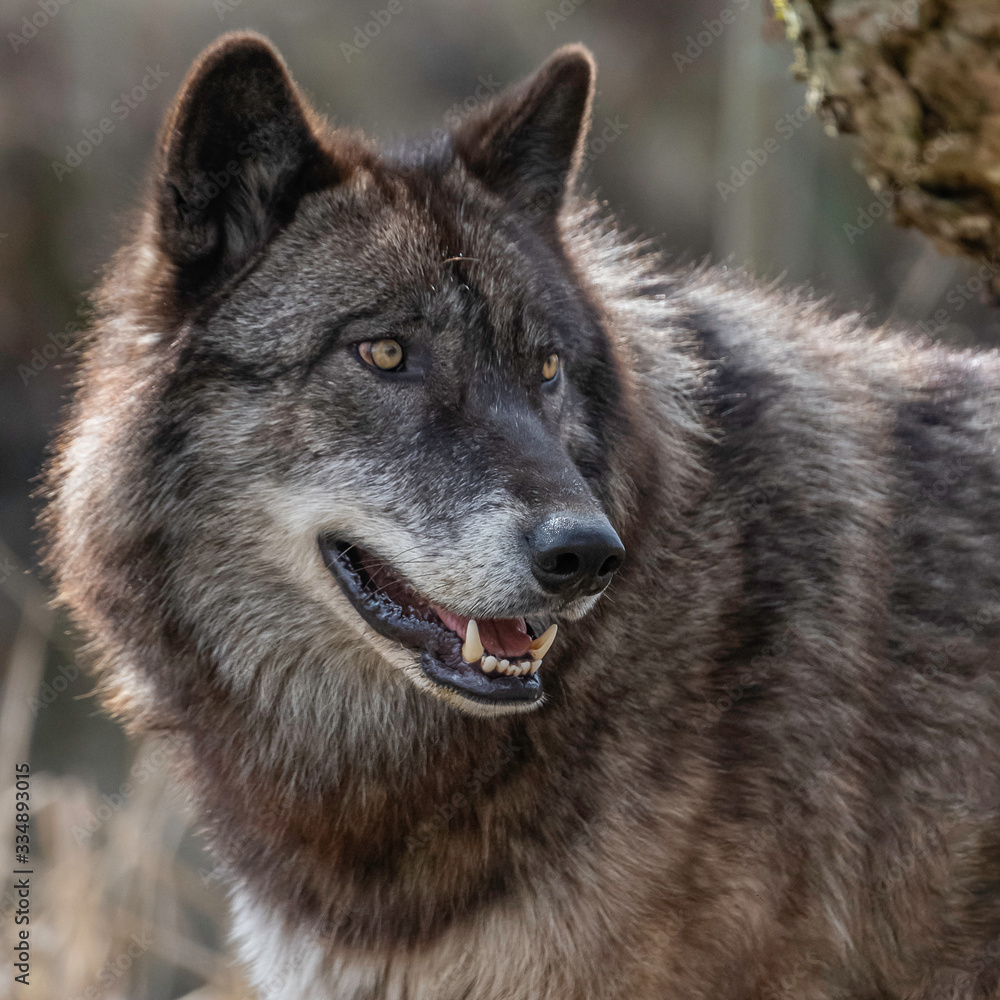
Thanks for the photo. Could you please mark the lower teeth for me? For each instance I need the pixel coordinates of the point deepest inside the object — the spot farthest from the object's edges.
(519, 668)
(472, 649)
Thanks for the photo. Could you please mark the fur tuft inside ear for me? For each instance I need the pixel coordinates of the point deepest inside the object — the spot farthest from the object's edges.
(527, 144)
(238, 149)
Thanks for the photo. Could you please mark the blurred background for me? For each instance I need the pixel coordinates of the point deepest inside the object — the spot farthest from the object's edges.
(701, 139)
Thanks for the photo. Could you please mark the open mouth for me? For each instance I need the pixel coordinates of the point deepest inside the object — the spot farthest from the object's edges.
(492, 660)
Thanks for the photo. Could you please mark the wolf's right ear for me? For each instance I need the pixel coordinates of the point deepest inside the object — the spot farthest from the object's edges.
(237, 152)
(527, 143)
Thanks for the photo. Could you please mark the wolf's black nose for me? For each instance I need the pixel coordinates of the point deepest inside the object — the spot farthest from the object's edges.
(573, 555)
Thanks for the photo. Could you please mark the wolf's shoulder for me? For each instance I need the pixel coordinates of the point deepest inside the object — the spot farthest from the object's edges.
(769, 353)
(832, 436)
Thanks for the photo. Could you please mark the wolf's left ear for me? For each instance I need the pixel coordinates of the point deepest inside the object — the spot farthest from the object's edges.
(527, 143)
(238, 150)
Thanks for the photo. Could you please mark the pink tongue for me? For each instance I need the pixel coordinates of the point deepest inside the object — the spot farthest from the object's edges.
(504, 637)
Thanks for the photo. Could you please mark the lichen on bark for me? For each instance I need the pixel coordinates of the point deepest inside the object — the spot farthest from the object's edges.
(918, 81)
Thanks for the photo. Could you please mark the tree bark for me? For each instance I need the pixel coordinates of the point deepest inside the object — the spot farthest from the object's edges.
(918, 81)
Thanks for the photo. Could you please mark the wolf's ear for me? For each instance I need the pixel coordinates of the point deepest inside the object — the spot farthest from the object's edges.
(527, 143)
(237, 151)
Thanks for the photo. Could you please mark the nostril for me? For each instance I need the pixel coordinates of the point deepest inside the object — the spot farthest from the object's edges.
(565, 564)
(609, 565)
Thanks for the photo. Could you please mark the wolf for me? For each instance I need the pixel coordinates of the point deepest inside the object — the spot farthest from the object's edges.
(531, 617)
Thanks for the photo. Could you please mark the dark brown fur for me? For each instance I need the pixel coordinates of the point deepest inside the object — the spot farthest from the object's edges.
(767, 765)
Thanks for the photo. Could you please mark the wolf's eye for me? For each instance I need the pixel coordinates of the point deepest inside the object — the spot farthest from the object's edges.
(385, 354)
(551, 367)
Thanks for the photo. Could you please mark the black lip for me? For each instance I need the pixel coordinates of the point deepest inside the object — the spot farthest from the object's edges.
(420, 629)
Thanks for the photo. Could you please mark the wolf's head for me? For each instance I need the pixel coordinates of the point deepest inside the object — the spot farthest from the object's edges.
(366, 398)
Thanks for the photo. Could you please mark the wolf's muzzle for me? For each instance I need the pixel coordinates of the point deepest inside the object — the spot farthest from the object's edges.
(575, 556)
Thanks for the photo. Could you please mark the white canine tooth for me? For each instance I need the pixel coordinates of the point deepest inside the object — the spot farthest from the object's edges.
(504, 667)
(489, 664)
(472, 648)
(544, 642)
(535, 665)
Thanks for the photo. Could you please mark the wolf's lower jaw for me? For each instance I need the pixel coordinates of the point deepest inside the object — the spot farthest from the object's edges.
(492, 663)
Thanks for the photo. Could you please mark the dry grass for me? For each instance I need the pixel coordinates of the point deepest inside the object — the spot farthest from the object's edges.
(123, 899)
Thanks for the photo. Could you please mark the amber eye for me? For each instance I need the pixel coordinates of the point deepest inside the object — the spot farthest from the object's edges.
(551, 367)
(384, 354)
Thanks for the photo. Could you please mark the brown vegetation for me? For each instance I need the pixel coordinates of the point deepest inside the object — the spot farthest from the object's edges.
(918, 81)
